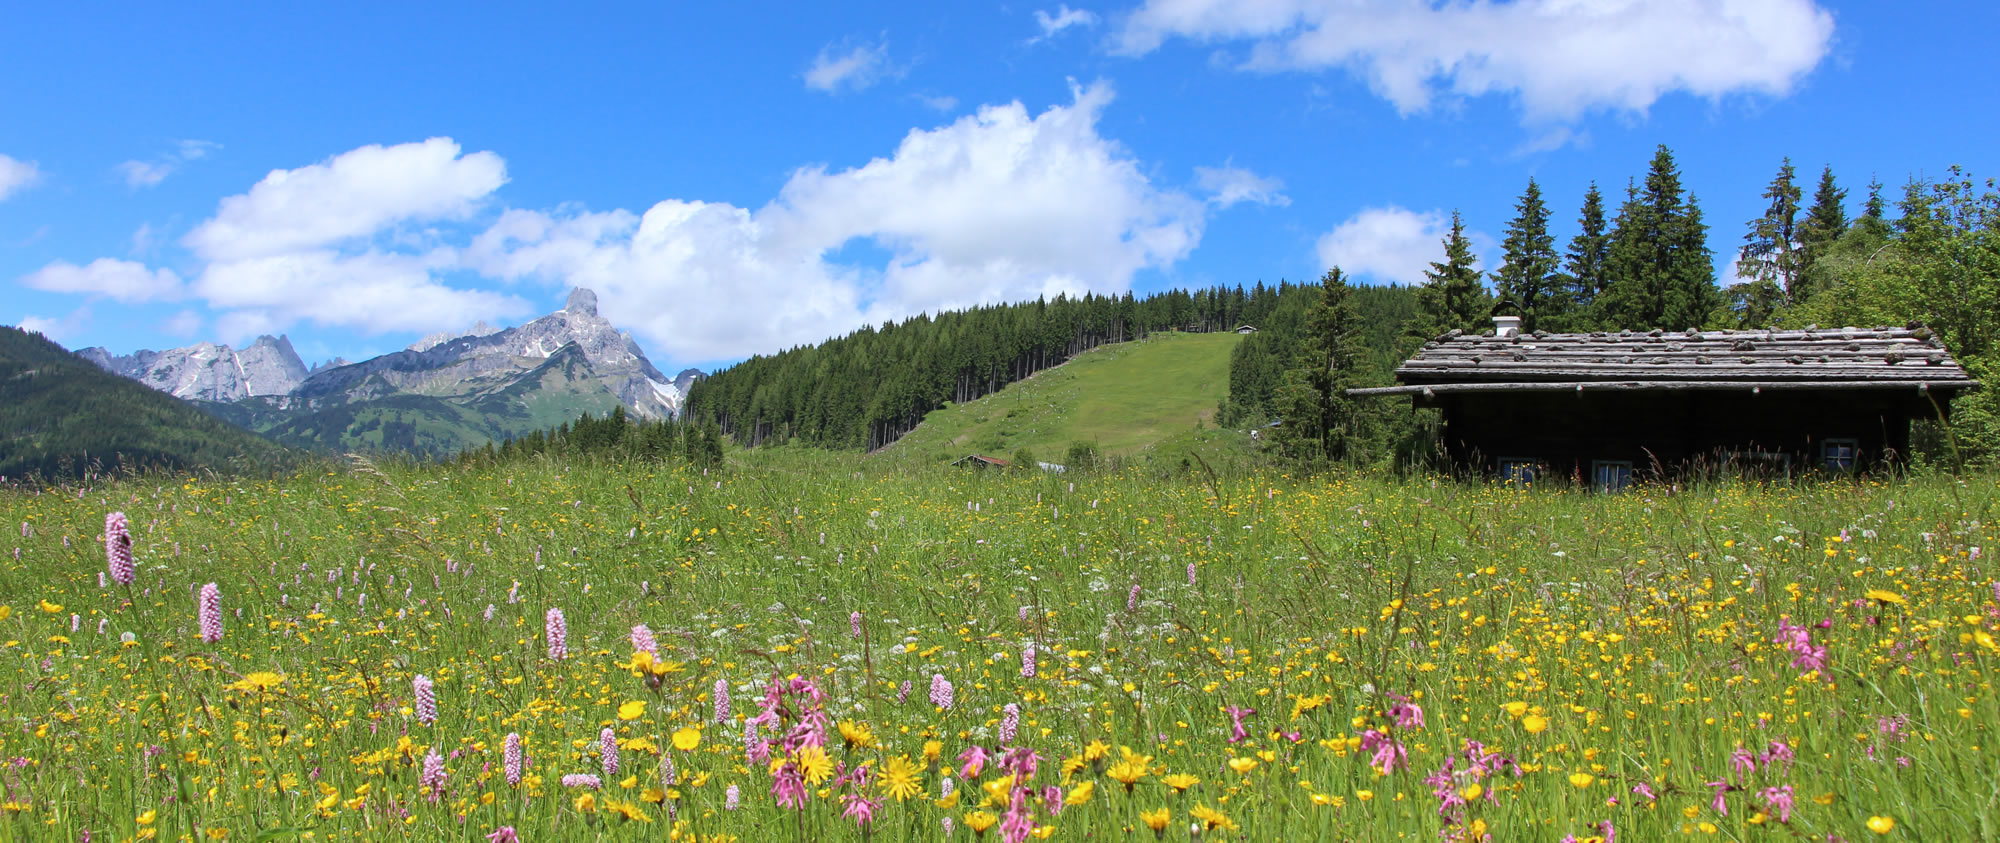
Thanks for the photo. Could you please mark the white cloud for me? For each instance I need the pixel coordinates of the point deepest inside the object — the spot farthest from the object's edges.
(1064, 18)
(352, 196)
(16, 176)
(938, 103)
(856, 67)
(1230, 184)
(1390, 244)
(183, 324)
(57, 328)
(140, 174)
(125, 281)
(1560, 57)
(999, 205)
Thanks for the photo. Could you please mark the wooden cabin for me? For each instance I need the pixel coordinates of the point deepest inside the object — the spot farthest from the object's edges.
(979, 461)
(1604, 407)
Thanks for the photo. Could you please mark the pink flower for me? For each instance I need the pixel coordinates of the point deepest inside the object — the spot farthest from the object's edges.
(732, 798)
(789, 786)
(583, 780)
(854, 624)
(642, 640)
(558, 634)
(1018, 822)
(504, 834)
(1010, 721)
(941, 693)
(1237, 733)
(1778, 800)
(1132, 599)
(117, 548)
(973, 761)
(427, 709)
(1028, 660)
(607, 749)
(432, 779)
(860, 808)
(208, 613)
(511, 755)
(721, 700)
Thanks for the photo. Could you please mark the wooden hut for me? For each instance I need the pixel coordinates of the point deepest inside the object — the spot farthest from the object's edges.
(979, 461)
(1599, 406)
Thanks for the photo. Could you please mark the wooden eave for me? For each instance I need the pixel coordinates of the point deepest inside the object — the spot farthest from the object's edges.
(1848, 358)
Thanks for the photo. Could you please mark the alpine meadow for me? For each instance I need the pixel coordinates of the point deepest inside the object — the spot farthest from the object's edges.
(1128, 421)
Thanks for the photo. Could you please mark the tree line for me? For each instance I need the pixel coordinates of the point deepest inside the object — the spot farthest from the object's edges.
(868, 388)
(616, 436)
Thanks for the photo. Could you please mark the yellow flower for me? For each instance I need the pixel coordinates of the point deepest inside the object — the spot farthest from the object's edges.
(1882, 596)
(813, 763)
(217, 833)
(1157, 820)
(1211, 818)
(1364, 795)
(1242, 765)
(1581, 779)
(1535, 724)
(1472, 791)
(1080, 794)
(1881, 825)
(1095, 750)
(632, 710)
(901, 778)
(631, 812)
(1476, 830)
(933, 749)
(980, 821)
(262, 680)
(148, 817)
(1126, 773)
(53, 608)
(586, 802)
(856, 734)
(1181, 781)
(1515, 709)
(688, 738)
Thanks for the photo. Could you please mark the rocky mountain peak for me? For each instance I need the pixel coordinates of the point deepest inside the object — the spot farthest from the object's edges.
(211, 372)
(582, 302)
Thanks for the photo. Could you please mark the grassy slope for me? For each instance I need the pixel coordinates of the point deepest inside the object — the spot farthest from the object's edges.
(1124, 398)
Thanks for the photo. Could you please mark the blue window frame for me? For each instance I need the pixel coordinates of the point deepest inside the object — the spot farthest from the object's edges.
(1839, 454)
(1610, 475)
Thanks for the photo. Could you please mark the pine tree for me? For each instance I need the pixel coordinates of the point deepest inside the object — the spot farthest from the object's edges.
(1662, 274)
(1527, 275)
(1452, 296)
(1584, 266)
(1771, 253)
(1321, 421)
(1825, 222)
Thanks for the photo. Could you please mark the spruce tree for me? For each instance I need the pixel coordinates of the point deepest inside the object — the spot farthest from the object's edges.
(1452, 296)
(1584, 266)
(1825, 222)
(1771, 252)
(1527, 274)
(1661, 270)
(1321, 422)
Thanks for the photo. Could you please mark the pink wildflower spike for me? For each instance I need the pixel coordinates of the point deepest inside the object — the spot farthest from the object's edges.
(504, 834)
(117, 549)
(789, 786)
(1778, 801)
(732, 798)
(582, 780)
(1721, 789)
(558, 634)
(1028, 660)
(1052, 799)
(642, 640)
(1010, 721)
(860, 808)
(427, 711)
(607, 749)
(1132, 599)
(854, 624)
(511, 756)
(432, 778)
(1018, 822)
(208, 613)
(721, 701)
(941, 692)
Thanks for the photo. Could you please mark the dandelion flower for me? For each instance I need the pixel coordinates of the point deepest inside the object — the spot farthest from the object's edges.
(687, 739)
(1881, 825)
(1535, 724)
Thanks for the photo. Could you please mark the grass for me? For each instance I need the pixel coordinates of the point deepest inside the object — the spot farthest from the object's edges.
(1121, 398)
(1814, 656)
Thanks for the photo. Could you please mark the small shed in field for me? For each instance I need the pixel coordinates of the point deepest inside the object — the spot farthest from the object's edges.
(979, 461)
(1246, 329)
(1596, 407)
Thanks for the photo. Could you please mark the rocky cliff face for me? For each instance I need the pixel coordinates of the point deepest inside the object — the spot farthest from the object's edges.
(211, 372)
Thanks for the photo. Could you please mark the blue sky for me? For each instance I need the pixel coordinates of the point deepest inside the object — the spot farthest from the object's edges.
(740, 178)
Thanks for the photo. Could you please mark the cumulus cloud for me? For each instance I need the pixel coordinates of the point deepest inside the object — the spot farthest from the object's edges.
(1230, 184)
(57, 328)
(1559, 57)
(140, 174)
(16, 176)
(1389, 244)
(855, 67)
(998, 205)
(125, 281)
(1064, 18)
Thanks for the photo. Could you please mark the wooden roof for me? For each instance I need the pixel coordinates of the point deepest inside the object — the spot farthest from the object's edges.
(1812, 358)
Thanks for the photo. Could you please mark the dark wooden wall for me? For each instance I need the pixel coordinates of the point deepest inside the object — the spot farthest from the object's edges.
(1566, 431)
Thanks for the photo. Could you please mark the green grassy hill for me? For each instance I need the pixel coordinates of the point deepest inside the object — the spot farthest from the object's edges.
(1125, 398)
(60, 412)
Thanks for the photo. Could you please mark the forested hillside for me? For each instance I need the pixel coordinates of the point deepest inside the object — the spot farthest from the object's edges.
(868, 388)
(61, 414)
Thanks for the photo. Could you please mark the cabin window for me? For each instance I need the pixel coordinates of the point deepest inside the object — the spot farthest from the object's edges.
(1839, 454)
(1610, 475)
(1520, 470)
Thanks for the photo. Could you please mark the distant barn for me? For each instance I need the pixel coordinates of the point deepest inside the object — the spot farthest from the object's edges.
(1246, 329)
(979, 461)
(1599, 406)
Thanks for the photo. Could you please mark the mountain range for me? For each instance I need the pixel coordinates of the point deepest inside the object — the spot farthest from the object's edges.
(442, 394)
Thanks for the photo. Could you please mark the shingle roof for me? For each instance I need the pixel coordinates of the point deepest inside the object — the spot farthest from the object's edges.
(1812, 358)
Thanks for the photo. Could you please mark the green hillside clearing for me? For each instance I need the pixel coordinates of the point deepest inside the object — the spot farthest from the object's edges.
(1124, 398)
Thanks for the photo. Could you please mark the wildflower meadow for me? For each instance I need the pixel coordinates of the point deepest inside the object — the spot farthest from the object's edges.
(812, 647)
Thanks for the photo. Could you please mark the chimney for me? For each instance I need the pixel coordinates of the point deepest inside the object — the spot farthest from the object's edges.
(1506, 326)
